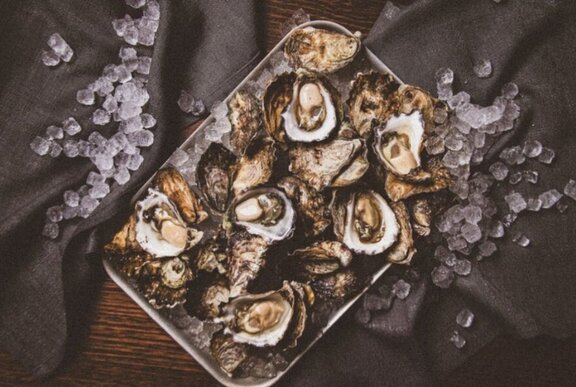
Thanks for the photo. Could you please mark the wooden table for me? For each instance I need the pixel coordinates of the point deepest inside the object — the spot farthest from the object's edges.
(119, 344)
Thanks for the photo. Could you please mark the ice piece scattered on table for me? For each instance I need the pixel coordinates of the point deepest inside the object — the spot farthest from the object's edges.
(122, 175)
(442, 276)
(99, 191)
(463, 267)
(509, 90)
(547, 155)
(95, 178)
(471, 232)
(512, 155)
(562, 206)
(189, 104)
(458, 341)
(530, 176)
(51, 230)
(534, 204)
(483, 69)
(499, 170)
(515, 178)
(134, 162)
(55, 149)
(71, 198)
(136, 3)
(124, 75)
(148, 121)
(570, 189)
(520, 239)
(71, 212)
(465, 318)
(54, 214)
(60, 47)
(401, 289)
(144, 64)
(70, 148)
(472, 214)
(71, 126)
(487, 248)
(49, 58)
(88, 205)
(54, 132)
(85, 97)
(152, 10)
(497, 229)
(549, 198)
(516, 202)
(509, 219)
(143, 138)
(532, 148)
(456, 243)
(128, 110)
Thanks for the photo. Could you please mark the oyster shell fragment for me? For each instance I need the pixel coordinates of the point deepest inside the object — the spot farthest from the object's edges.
(320, 50)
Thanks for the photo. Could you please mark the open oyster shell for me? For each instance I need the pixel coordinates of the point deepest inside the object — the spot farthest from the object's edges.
(411, 98)
(214, 175)
(321, 50)
(244, 116)
(255, 167)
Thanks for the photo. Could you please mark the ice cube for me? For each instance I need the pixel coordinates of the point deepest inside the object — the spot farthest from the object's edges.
(128, 110)
(499, 170)
(49, 58)
(390, 11)
(135, 162)
(487, 248)
(144, 64)
(100, 117)
(143, 138)
(152, 10)
(515, 178)
(532, 148)
(186, 101)
(435, 145)
(546, 156)
(85, 97)
(471, 232)
(512, 155)
(110, 104)
(442, 276)
(454, 141)
(99, 191)
(516, 202)
(509, 90)
(463, 267)
(472, 214)
(549, 198)
(132, 125)
(51, 230)
(127, 53)
(401, 289)
(457, 340)
(496, 229)
(71, 198)
(54, 214)
(124, 75)
(561, 206)
(148, 121)
(60, 47)
(219, 110)
(120, 25)
(71, 126)
(465, 318)
(444, 76)
(483, 68)
(122, 175)
(70, 148)
(97, 138)
(530, 176)
(459, 100)
(102, 159)
(520, 239)
(509, 219)
(534, 204)
(451, 159)
(102, 86)
(88, 205)
(146, 36)
(570, 189)
(131, 35)
(40, 145)
(456, 243)
(179, 157)
(198, 108)
(140, 97)
(71, 212)
(55, 149)
(95, 178)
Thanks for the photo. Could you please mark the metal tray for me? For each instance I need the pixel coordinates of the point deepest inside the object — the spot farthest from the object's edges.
(203, 357)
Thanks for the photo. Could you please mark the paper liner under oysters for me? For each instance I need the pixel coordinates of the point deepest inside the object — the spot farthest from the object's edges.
(321, 50)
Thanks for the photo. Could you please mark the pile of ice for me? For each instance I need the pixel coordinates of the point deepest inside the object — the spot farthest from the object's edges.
(142, 30)
(59, 51)
(120, 96)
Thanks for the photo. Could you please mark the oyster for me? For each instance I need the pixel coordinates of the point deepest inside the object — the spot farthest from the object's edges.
(244, 116)
(228, 353)
(411, 98)
(403, 250)
(266, 212)
(124, 241)
(301, 108)
(310, 205)
(163, 281)
(422, 217)
(364, 222)
(212, 256)
(321, 50)
(214, 172)
(255, 167)
(159, 228)
(322, 257)
(211, 299)
(171, 183)
(372, 98)
(246, 259)
(398, 189)
(266, 319)
(338, 286)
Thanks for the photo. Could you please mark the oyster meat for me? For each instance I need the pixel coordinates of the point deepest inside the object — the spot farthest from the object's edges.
(320, 50)
(246, 259)
(322, 257)
(266, 212)
(364, 222)
(372, 99)
(214, 176)
(244, 116)
(255, 167)
(310, 205)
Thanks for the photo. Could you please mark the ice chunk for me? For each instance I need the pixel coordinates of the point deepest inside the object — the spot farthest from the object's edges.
(451, 159)
(102, 159)
(512, 155)
(179, 157)
(100, 117)
(483, 68)
(95, 178)
(135, 162)
(102, 86)
(546, 156)
(96, 138)
(463, 267)
(128, 110)
(148, 121)
(459, 100)
(127, 53)
(465, 318)
(71, 126)
(124, 75)
(88, 205)
(549, 198)
(51, 230)
(435, 145)
(122, 175)
(60, 47)
(85, 148)
(496, 229)
(146, 36)
(99, 191)
(55, 149)
(401, 289)
(457, 340)
(520, 239)
(532, 148)
(471, 232)
(444, 76)
(530, 176)
(132, 125)
(515, 178)
(152, 10)
(85, 97)
(70, 148)
(71, 198)
(499, 170)
(487, 248)
(534, 204)
(186, 101)
(509, 90)
(570, 189)
(561, 206)
(456, 243)
(54, 214)
(472, 214)
(120, 25)
(509, 219)
(516, 202)
(144, 64)
(40, 145)
(442, 276)
(143, 138)
(131, 35)
(49, 58)
(110, 104)
(71, 212)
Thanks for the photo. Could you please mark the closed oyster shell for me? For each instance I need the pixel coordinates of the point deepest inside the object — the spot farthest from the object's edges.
(164, 282)
(310, 205)
(320, 50)
(228, 353)
(212, 298)
(372, 98)
(339, 286)
(244, 116)
(321, 258)
(246, 259)
(214, 175)
(403, 250)
(398, 189)
(421, 211)
(255, 167)
(277, 97)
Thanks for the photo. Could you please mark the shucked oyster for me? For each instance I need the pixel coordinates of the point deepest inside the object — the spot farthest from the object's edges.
(364, 222)
(321, 50)
(303, 108)
(255, 167)
(310, 205)
(214, 172)
(244, 117)
(372, 99)
(266, 212)
(411, 98)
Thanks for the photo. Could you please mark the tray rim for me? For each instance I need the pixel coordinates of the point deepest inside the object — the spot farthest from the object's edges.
(173, 332)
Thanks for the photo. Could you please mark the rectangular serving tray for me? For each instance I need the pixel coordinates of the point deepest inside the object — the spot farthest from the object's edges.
(202, 357)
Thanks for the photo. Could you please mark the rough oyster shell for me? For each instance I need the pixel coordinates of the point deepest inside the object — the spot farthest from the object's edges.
(246, 259)
(212, 298)
(244, 116)
(164, 281)
(398, 189)
(214, 175)
(212, 256)
(339, 286)
(321, 50)
(228, 353)
(255, 167)
(321, 258)
(403, 250)
(124, 241)
(372, 98)
(310, 205)
(421, 211)
(411, 98)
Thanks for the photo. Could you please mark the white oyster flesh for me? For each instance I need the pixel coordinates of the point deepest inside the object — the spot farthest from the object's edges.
(315, 99)
(386, 229)
(160, 230)
(400, 141)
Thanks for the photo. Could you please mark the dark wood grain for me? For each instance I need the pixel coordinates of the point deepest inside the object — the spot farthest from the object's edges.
(121, 345)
